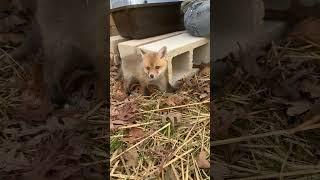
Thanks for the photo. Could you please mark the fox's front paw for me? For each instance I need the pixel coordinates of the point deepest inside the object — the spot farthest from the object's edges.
(175, 87)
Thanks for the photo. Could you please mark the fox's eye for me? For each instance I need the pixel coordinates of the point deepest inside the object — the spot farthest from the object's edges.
(157, 67)
(148, 68)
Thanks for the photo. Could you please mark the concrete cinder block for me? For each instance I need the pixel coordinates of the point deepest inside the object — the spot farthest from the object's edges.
(114, 31)
(130, 47)
(201, 55)
(181, 50)
(114, 41)
(114, 52)
(111, 20)
(115, 59)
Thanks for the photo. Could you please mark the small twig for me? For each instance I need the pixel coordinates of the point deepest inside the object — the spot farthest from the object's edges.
(287, 174)
(175, 107)
(112, 159)
(15, 62)
(273, 133)
(172, 161)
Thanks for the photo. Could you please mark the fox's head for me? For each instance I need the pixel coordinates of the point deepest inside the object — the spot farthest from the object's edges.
(154, 64)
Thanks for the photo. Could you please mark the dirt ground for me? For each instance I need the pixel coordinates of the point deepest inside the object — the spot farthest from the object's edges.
(266, 123)
(68, 143)
(165, 135)
(265, 120)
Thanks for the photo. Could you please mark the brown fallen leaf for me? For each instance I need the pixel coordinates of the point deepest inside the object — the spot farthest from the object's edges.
(174, 117)
(175, 100)
(132, 157)
(134, 135)
(124, 112)
(121, 115)
(298, 108)
(205, 71)
(202, 160)
(120, 95)
(136, 132)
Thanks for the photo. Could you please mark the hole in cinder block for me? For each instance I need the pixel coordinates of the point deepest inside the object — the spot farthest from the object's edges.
(201, 54)
(180, 66)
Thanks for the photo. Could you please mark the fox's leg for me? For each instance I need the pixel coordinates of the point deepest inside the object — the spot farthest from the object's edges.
(164, 85)
(144, 87)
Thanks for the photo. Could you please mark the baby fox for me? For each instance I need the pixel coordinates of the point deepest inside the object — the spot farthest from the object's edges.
(147, 69)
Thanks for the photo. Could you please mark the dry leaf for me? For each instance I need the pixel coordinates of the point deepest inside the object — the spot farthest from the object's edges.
(202, 161)
(205, 71)
(298, 108)
(120, 95)
(173, 116)
(136, 132)
(175, 100)
(134, 135)
(124, 113)
(131, 157)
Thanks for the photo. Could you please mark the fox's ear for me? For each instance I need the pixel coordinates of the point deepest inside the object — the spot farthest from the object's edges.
(142, 52)
(162, 52)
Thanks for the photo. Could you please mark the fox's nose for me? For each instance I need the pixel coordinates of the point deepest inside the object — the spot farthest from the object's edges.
(151, 76)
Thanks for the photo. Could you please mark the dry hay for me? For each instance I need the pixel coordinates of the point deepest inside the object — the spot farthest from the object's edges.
(267, 124)
(162, 136)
